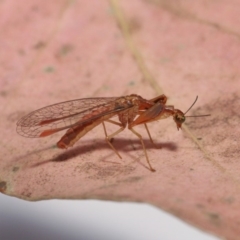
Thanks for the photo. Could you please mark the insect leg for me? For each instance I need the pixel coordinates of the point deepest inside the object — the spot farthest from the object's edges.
(150, 137)
(119, 124)
(148, 133)
(110, 121)
(144, 149)
(109, 137)
(114, 122)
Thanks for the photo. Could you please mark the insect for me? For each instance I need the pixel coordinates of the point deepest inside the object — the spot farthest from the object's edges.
(81, 115)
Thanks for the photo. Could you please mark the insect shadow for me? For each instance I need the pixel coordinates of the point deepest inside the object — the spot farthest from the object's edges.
(123, 145)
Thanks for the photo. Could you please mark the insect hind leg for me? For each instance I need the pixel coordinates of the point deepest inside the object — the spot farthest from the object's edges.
(144, 149)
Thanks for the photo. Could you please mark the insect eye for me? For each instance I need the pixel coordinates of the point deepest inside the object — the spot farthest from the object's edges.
(179, 118)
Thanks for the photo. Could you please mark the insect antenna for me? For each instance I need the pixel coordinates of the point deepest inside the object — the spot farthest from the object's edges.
(203, 115)
(191, 105)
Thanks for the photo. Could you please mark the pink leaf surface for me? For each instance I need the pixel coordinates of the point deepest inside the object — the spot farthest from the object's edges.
(61, 50)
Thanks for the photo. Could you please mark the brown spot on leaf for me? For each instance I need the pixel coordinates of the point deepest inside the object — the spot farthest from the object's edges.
(134, 25)
(15, 169)
(214, 217)
(65, 49)
(3, 93)
(39, 45)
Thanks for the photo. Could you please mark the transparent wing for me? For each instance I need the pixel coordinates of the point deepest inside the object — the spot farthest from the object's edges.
(60, 116)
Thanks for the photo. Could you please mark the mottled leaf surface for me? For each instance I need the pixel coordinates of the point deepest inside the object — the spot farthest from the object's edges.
(54, 51)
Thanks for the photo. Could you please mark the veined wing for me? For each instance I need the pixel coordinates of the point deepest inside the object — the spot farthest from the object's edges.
(60, 116)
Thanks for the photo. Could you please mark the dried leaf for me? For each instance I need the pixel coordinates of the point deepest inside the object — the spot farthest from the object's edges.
(63, 50)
